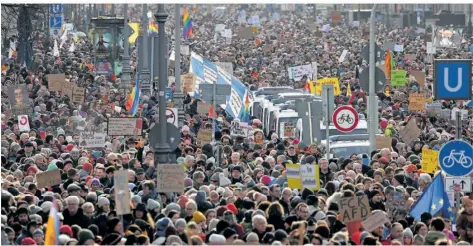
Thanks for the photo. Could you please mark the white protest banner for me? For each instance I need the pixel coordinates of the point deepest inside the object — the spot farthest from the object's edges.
(227, 33)
(354, 208)
(124, 126)
(235, 102)
(23, 123)
(227, 66)
(296, 73)
(92, 139)
(342, 56)
(122, 192)
(314, 71)
(399, 47)
(310, 177)
(430, 48)
(185, 50)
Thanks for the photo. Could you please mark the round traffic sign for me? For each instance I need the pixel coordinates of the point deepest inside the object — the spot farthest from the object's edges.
(345, 118)
(455, 158)
(171, 116)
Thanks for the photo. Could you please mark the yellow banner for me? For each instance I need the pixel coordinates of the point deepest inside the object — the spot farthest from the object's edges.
(136, 31)
(293, 174)
(327, 81)
(430, 160)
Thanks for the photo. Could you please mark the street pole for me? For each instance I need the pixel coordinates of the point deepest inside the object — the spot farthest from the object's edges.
(46, 43)
(327, 125)
(459, 128)
(113, 10)
(162, 148)
(373, 122)
(95, 11)
(87, 25)
(126, 72)
(178, 97)
(145, 73)
(469, 32)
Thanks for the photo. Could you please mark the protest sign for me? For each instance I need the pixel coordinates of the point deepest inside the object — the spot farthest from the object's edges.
(433, 109)
(170, 178)
(342, 56)
(410, 132)
(399, 47)
(416, 102)
(124, 126)
(419, 76)
(18, 96)
(122, 192)
(398, 78)
(78, 94)
(55, 81)
(92, 139)
(327, 81)
(286, 129)
(67, 89)
(23, 123)
(204, 136)
(245, 33)
(293, 174)
(48, 178)
(430, 160)
(203, 108)
(239, 128)
(188, 82)
(310, 177)
(296, 73)
(376, 220)
(185, 50)
(354, 208)
(383, 141)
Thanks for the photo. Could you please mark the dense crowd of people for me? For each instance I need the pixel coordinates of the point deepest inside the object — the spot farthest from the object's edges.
(245, 196)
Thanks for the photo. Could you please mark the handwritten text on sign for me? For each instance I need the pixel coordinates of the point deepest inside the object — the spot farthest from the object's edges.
(354, 208)
(170, 178)
(125, 126)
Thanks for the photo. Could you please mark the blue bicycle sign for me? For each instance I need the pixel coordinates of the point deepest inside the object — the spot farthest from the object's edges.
(455, 158)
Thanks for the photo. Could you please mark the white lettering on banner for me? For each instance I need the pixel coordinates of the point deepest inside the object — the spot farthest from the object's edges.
(296, 73)
(226, 66)
(210, 76)
(308, 177)
(293, 172)
(235, 102)
(92, 139)
(125, 126)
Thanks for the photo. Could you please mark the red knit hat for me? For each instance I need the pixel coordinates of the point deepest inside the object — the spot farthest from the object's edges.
(266, 180)
(33, 169)
(28, 241)
(87, 167)
(66, 229)
(69, 147)
(232, 208)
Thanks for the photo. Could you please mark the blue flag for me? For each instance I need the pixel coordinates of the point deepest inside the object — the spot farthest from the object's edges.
(434, 200)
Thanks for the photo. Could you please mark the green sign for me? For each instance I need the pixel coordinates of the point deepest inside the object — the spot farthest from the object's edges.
(398, 78)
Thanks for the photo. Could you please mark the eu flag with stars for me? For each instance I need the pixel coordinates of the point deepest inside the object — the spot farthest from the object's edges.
(434, 200)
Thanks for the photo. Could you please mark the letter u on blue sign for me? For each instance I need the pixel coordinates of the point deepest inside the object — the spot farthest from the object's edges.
(452, 79)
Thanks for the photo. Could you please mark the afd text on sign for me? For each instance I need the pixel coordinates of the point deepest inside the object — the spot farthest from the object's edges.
(452, 79)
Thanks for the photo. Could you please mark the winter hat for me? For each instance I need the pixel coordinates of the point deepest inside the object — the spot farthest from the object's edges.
(172, 207)
(198, 217)
(400, 178)
(212, 225)
(33, 169)
(161, 226)
(28, 241)
(34, 209)
(46, 206)
(102, 201)
(408, 233)
(221, 225)
(265, 179)
(38, 232)
(232, 208)
(180, 222)
(111, 239)
(188, 183)
(136, 199)
(224, 181)
(152, 205)
(66, 229)
(111, 223)
(87, 167)
(69, 147)
(280, 235)
(184, 128)
(84, 235)
(229, 232)
(52, 166)
(217, 239)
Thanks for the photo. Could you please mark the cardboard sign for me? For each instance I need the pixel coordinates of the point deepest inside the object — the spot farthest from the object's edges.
(122, 192)
(124, 126)
(67, 89)
(383, 142)
(417, 102)
(170, 178)
(410, 132)
(245, 33)
(354, 208)
(430, 160)
(55, 81)
(48, 179)
(188, 82)
(398, 78)
(78, 95)
(204, 136)
(433, 109)
(375, 221)
(203, 108)
(420, 77)
(92, 139)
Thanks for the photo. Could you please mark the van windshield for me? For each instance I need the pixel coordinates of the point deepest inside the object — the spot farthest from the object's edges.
(333, 132)
(346, 151)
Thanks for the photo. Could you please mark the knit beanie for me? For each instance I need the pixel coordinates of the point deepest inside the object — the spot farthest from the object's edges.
(198, 217)
(102, 201)
(84, 235)
(52, 166)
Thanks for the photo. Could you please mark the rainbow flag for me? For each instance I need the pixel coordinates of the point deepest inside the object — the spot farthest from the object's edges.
(52, 232)
(152, 27)
(389, 63)
(134, 98)
(187, 24)
(246, 112)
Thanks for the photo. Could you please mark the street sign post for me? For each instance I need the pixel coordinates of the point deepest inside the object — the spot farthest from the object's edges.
(345, 118)
(379, 76)
(455, 158)
(463, 182)
(452, 79)
(378, 53)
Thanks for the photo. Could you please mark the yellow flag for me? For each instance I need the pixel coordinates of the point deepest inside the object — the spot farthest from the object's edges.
(348, 90)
